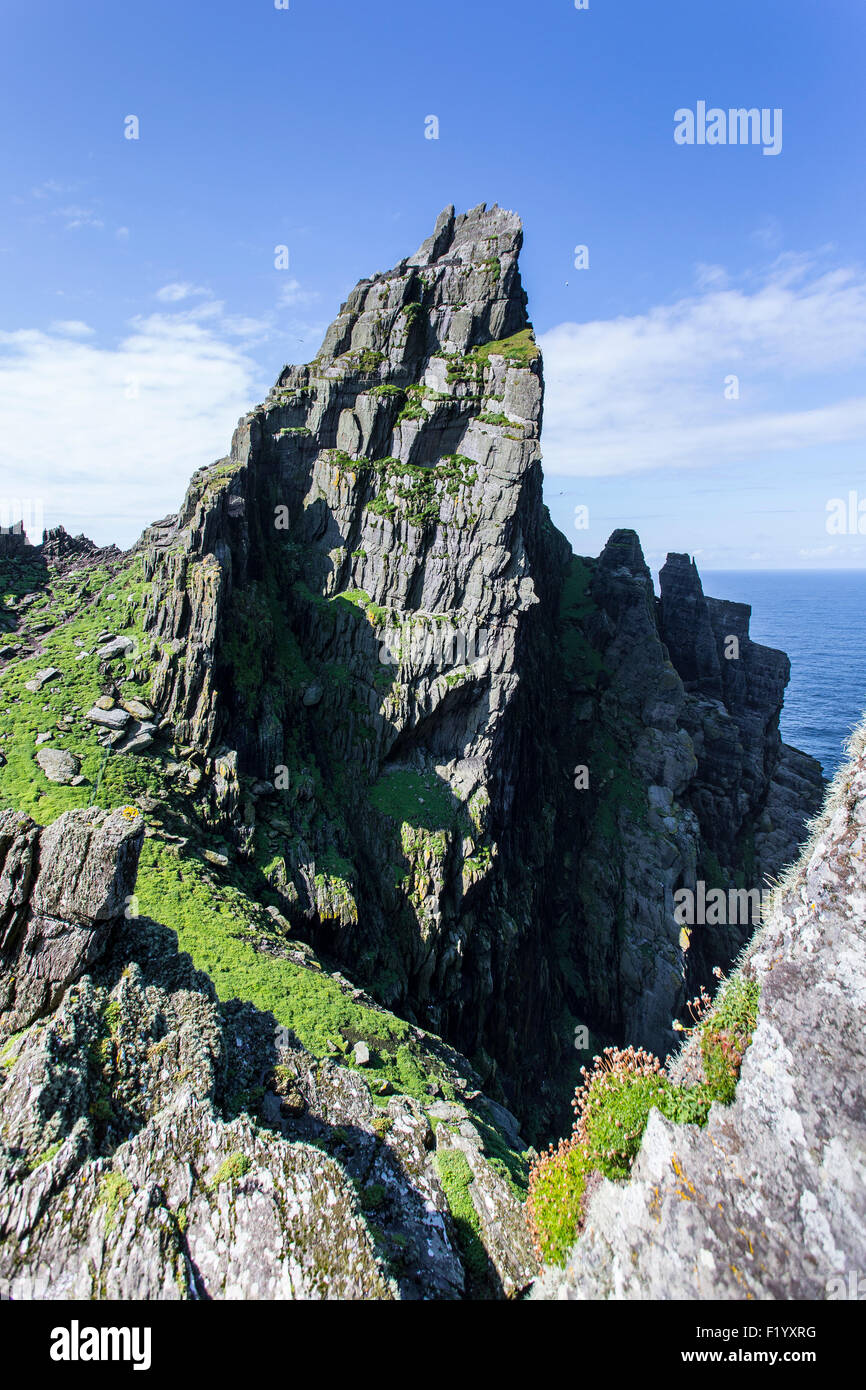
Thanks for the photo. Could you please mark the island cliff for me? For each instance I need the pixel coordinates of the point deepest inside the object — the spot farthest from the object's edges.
(415, 788)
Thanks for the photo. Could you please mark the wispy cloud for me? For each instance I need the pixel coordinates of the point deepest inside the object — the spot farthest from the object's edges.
(180, 289)
(72, 328)
(77, 216)
(648, 391)
(293, 295)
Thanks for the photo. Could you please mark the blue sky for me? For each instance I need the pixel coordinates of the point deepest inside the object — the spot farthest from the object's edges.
(141, 312)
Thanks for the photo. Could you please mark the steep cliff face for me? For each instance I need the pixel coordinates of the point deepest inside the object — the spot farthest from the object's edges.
(767, 1200)
(363, 680)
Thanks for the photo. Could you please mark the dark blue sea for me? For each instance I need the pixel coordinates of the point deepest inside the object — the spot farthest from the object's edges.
(819, 618)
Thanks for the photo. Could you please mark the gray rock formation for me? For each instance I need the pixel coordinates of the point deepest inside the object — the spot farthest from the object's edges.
(400, 729)
(61, 889)
(767, 1201)
(386, 497)
(121, 1175)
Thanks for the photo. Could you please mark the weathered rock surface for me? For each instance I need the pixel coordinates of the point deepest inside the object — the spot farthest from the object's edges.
(60, 891)
(120, 1175)
(57, 764)
(767, 1201)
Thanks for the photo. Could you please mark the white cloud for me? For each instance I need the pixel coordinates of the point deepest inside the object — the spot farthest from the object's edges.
(72, 328)
(120, 429)
(293, 294)
(649, 391)
(75, 216)
(180, 289)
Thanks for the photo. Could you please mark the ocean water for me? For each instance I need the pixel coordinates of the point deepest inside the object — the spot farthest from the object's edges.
(819, 618)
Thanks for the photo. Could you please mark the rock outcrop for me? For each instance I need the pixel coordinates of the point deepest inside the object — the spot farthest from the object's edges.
(767, 1201)
(370, 583)
(61, 890)
(121, 1174)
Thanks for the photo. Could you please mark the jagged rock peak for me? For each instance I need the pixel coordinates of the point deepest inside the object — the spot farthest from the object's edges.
(623, 551)
(460, 290)
(686, 625)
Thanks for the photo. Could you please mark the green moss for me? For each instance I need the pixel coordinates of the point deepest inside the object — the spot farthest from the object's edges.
(521, 349)
(372, 1196)
(113, 1189)
(45, 1157)
(457, 1179)
(365, 361)
(386, 388)
(77, 610)
(416, 799)
(232, 1169)
(220, 925)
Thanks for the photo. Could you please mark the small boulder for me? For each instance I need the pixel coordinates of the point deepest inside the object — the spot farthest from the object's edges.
(361, 1054)
(58, 765)
(47, 673)
(139, 737)
(138, 709)
(108, 718)
(118, 646)
(313, 694)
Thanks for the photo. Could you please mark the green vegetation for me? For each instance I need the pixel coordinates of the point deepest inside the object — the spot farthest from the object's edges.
(220, 925)
(489, 418)
(387, 389)
(613, 1106)
(70, 614)
(415, 799)
(557, 1186)
(725, 1035)
(45, 1157)
(457, 1178)
(521, 349)
(365, 361)
(232, 1169)
(114, 1188)
(259, 648)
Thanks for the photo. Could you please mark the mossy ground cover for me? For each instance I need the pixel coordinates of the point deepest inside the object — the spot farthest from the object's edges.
(520, 349)
(78, 607)
(457, 1178)
(221, 925)
(419, 799)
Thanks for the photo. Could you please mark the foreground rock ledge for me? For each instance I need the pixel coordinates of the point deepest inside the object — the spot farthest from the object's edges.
(768, 1201)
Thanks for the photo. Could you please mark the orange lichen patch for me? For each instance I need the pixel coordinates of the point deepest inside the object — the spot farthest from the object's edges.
(747, 1239)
